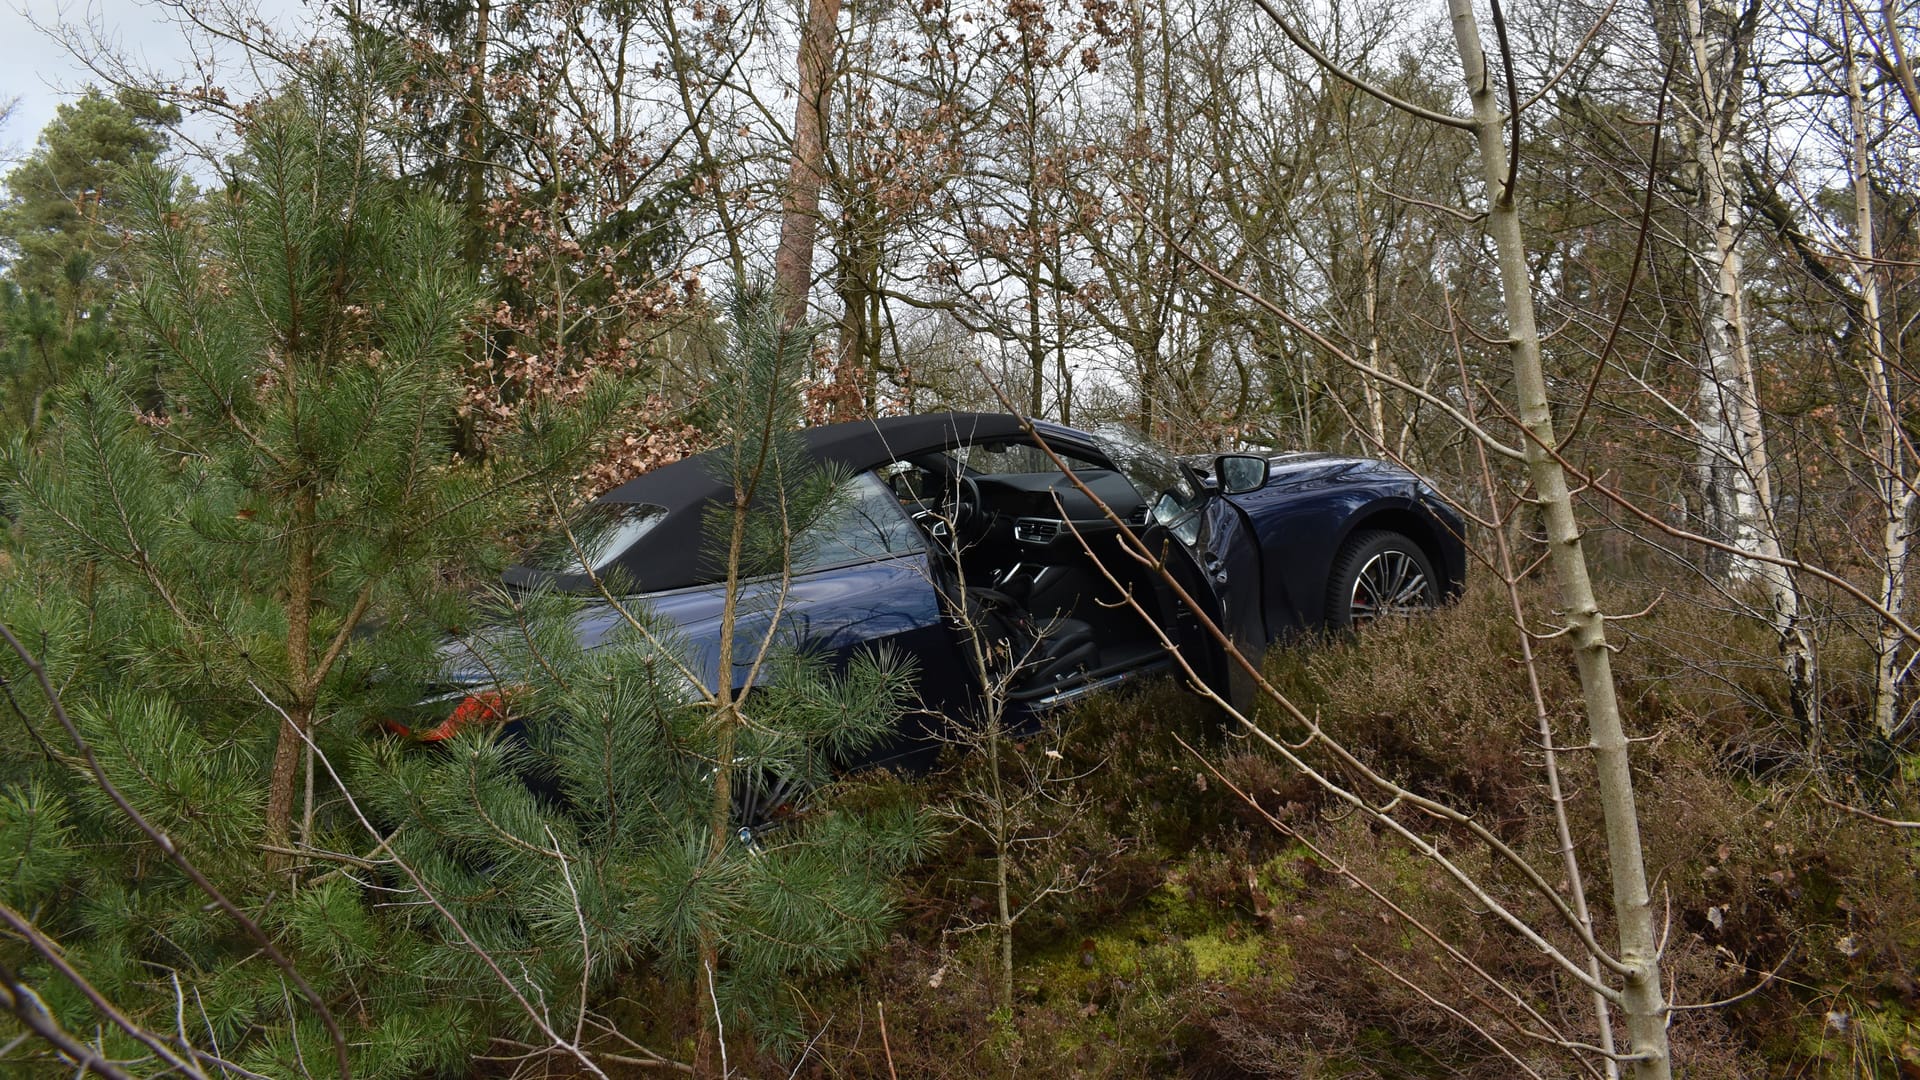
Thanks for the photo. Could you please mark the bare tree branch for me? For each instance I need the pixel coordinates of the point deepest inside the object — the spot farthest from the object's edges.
(52, 955)
(19, 999)
(1307, 46)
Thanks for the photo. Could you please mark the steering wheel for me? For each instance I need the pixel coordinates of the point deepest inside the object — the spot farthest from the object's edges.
(955, 516)
(966, 507)
(958, 513)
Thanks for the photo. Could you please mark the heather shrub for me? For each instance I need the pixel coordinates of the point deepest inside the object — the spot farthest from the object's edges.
(1232, 937)
(1757, 873)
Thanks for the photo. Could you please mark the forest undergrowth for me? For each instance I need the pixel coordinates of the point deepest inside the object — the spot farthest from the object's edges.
(1224, 926)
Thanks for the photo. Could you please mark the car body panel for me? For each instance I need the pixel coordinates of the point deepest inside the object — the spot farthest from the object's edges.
(1310, 506)
(886, 603)
(1234, 565)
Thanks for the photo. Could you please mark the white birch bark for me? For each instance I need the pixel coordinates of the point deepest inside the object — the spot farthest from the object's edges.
(1643, 1005)
(1894, 488)
(1734, 470)
(1370, 282)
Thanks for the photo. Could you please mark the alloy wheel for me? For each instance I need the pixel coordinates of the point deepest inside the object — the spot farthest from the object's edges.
(765, 801)
(1390, 584)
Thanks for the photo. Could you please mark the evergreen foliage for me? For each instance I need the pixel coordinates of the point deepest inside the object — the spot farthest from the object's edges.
(258, 446)
(66, 196)
(602, 833)
(268, 550)
(306, 325)
(39, 346)
(60, 244)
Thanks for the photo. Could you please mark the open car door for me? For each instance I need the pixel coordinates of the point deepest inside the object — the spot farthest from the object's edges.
(1208, 548)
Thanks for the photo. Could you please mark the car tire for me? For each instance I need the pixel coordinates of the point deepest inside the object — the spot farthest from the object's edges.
(1375, 562)
(765, 801)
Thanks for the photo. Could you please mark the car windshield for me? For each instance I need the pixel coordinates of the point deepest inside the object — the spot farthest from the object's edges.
(1011, 458)
(1167, 487)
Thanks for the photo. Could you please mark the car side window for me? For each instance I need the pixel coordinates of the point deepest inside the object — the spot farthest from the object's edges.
(867, 524)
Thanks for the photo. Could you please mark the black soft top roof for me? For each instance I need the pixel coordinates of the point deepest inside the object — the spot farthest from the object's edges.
(858, 445)
(671, 554)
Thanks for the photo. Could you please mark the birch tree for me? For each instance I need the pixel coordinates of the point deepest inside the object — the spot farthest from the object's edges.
(1642, 1002)
(1832, 170)
(1734, 470)
(1636, 963)
(1895, 468)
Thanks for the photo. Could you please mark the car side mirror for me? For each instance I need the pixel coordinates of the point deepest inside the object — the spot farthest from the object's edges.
(1240, 473)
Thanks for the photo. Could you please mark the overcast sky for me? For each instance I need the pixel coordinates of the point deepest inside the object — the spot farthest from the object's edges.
(41, 73)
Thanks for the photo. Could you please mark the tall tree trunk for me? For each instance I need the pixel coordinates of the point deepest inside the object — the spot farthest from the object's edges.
(1062, 369)
(1370, 281)
(284, 778)
(1543, 718)
(1894, 488)
(1642, 1002)
(1146, 337)
(474, 138)
(858, 329)
(1734, 466)
(1729, 486)
(1034, 222)
(1036, 343)
(1370, 391)
(800, 209)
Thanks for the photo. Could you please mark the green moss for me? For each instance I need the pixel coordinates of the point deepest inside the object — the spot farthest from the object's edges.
(1888, 1035)
(1173, 908)
(1283, 877)
(1871, 1040)
(1216, 956)
(1173, 929)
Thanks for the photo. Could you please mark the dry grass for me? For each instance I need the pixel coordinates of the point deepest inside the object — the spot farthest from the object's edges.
(1213, 944)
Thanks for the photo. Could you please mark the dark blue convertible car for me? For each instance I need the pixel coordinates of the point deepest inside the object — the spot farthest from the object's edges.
(960, 522)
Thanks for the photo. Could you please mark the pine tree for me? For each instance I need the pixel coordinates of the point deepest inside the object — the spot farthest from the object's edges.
(269, 551)
(606, 834)
(65, 197)
(60, 244)
(40, 346)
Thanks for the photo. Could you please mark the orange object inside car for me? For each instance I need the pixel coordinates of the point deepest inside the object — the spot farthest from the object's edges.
(485, 707)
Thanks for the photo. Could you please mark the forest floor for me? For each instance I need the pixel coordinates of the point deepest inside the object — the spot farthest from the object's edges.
(1200, 931)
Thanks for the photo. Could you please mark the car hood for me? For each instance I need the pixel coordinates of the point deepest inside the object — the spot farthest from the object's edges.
(1294, 471)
